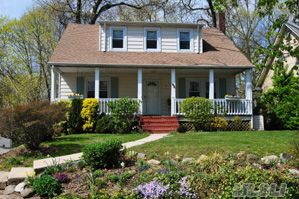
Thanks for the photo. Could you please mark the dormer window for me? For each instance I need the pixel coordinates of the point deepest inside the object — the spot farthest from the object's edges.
(152, 40)
(118, 38)
(184, 37)
(185, 40)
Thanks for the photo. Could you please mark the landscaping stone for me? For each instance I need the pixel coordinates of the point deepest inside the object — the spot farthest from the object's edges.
(154, 162)
(9, 189)
(251, 158)
(294, 172)
(187, 160)
(267, 160)
(20, 187)
(3, 179)
(241, 155)
(140, 156)
(257, 165)
(284, 157)
(18, 174)
(27, 192)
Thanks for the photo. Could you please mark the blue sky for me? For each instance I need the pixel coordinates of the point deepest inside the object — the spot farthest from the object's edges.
(15, 8)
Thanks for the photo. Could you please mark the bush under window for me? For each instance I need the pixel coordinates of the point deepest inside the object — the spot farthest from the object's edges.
(123, 113)
(105, 124)
(199, 111)
(89, 114)
(103, 155)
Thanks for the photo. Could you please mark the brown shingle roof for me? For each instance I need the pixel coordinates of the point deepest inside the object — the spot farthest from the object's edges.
(79, 45)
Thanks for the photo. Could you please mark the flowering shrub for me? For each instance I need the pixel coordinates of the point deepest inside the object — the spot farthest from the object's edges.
(185, 189)
(153, 189)
(62, 177)
(219, 124)
(89, 113)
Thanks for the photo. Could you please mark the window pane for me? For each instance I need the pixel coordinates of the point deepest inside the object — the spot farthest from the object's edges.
(194, 94)
(103, 94)
(117, 43)
(151, 44)
(151, 35)
(90, 86)
(184, 36)
(103, 85)
(118, 34)
(194, 86)
(184, 40)
(184, 45)
(90, 94)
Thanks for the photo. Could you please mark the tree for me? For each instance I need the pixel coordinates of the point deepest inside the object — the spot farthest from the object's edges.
(85, 11)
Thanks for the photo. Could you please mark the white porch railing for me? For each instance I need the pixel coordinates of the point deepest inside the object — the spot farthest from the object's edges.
(223, 106)
(103, 104)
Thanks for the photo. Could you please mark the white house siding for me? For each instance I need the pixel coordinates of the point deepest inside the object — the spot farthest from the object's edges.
(68, 85)
(135, 39)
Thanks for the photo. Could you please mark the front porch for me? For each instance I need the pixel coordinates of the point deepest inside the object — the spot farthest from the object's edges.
(160, 91)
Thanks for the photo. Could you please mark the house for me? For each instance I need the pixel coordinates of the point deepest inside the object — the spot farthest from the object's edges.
(289, 30)
(158, 64)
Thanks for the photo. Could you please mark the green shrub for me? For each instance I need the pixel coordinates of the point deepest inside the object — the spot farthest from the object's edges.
(105, 124)
(123, 113)
(75, 121)
(219, 124)
(103, 155)
(182, 129)
(46, 186)
(199, 111)
(30, 124)
(89, 114)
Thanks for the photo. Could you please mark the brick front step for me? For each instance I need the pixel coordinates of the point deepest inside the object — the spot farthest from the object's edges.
(159, 124)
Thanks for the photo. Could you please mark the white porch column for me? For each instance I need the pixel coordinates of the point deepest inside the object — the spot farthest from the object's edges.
(211, 84)
(53, 77)
(248, 91)
(97, 83)
(139, 89)
(173, 91)
(248, 79)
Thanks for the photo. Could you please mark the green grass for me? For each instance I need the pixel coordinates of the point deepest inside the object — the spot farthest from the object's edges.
(64, 145)
(196, 143)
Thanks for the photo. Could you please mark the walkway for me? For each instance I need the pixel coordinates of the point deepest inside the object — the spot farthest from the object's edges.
(43, 163)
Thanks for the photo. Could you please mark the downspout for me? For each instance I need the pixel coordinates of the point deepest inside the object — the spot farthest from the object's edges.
(270, 60)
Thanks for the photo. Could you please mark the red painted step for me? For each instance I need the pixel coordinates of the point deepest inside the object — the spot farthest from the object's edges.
(159, 124)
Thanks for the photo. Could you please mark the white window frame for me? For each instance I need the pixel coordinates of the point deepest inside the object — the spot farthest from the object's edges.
(158, 39)
(125, 38)
(191, 40)
(102, 79)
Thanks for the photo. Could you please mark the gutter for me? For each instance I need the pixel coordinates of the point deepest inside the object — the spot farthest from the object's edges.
(165, 66)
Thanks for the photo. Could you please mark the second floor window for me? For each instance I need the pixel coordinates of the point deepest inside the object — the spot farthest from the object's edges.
(117, 38)
(151, 39)
(184, 40)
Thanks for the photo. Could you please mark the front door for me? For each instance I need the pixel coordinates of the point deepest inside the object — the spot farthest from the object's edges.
(152, 97)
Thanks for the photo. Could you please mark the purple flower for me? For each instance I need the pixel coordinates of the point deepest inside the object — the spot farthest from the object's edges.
(61, 177)
(153, 189)
(163, 171)
(185, 190)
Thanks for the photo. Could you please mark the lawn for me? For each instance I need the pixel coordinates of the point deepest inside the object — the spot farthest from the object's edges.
(63, 145)
(197, 143)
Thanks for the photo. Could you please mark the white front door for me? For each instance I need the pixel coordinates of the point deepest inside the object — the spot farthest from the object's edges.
(152, 97)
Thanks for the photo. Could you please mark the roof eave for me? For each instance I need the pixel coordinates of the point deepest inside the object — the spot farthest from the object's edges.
(67, 64)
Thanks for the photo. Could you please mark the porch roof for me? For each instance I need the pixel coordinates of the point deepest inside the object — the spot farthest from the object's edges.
(79, 46)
